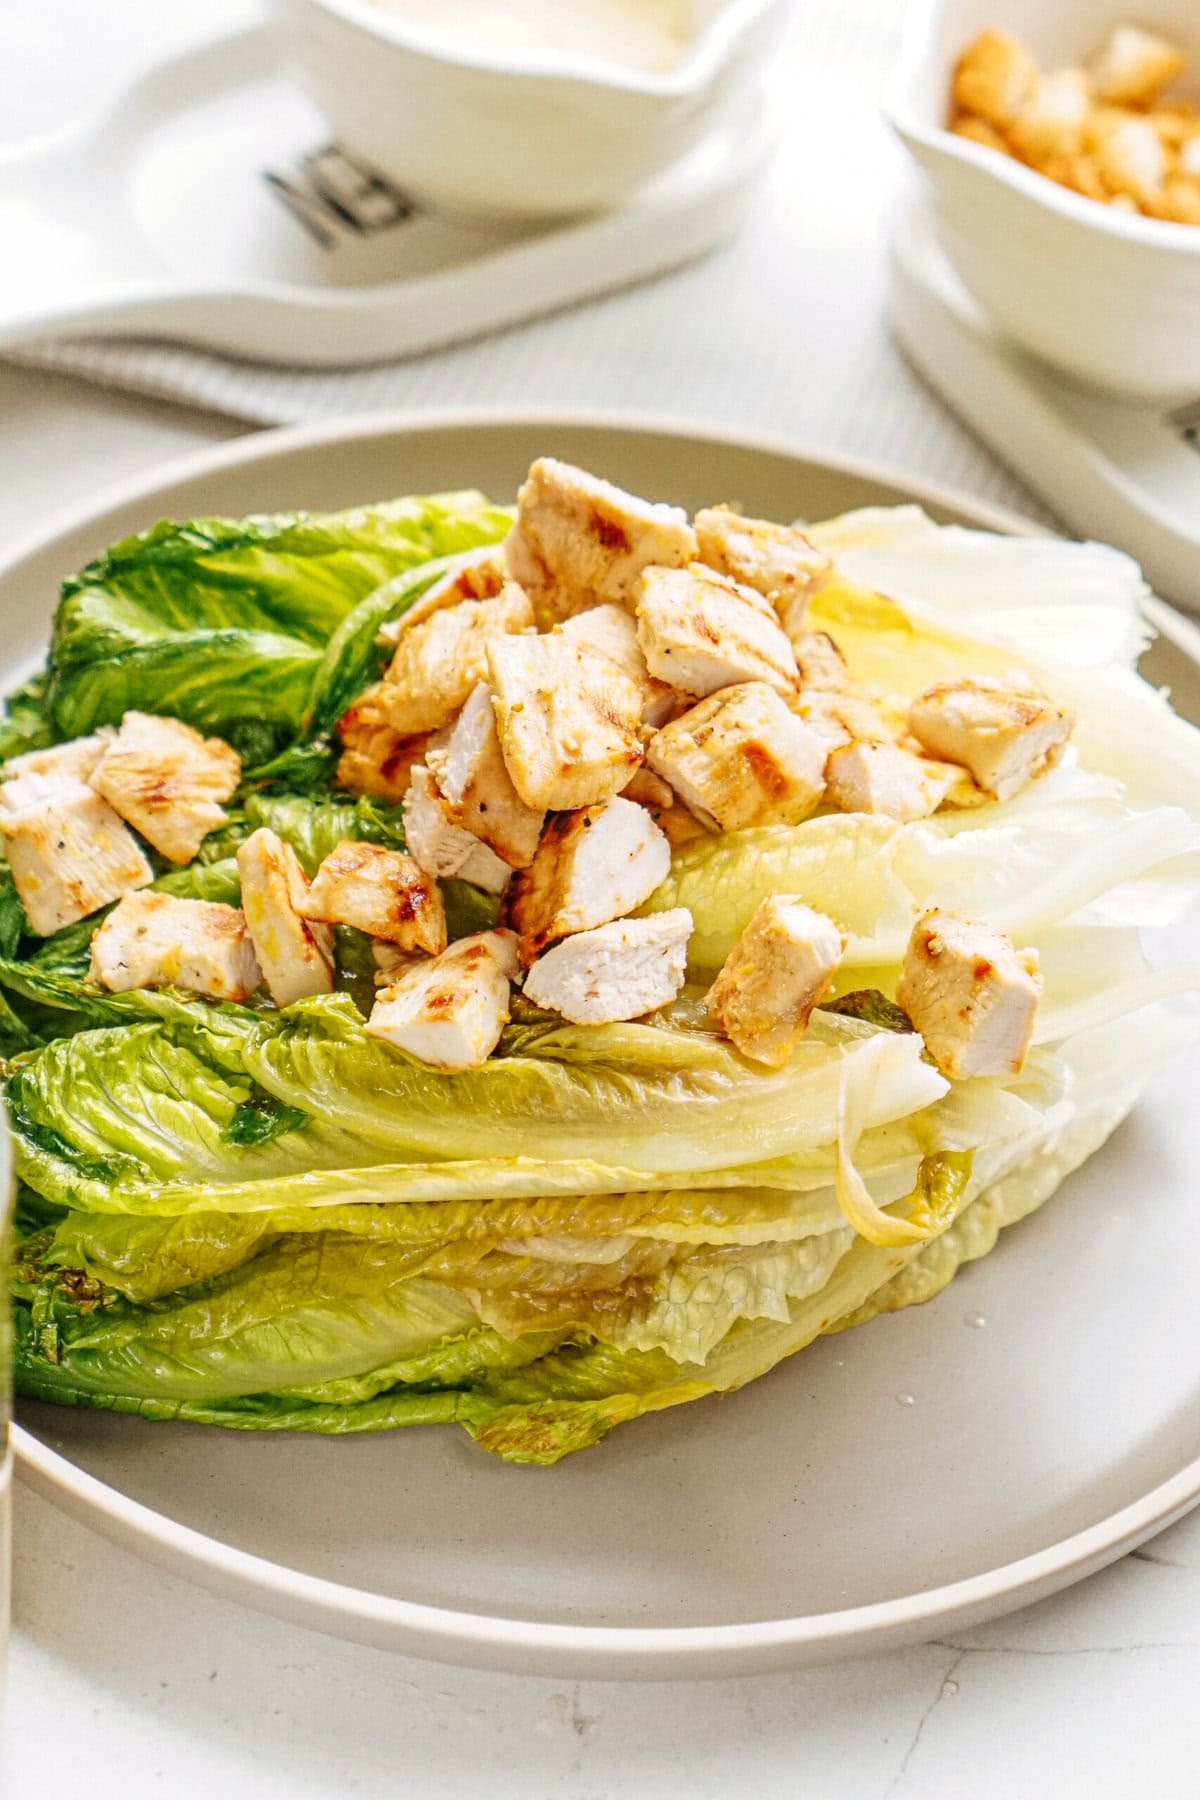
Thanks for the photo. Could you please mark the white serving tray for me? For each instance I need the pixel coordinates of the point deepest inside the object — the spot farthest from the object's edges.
(208, 205)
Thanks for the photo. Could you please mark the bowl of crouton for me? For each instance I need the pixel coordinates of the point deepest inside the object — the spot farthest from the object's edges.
(1061, 146)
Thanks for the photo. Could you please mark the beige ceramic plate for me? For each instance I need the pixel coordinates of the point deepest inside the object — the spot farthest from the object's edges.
(810, 1516)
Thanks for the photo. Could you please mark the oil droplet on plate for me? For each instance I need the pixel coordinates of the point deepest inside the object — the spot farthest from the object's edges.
(949, 1687)
(905, 1400)
(975, 1320)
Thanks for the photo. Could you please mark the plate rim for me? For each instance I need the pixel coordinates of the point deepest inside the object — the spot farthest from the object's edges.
(534, 1647)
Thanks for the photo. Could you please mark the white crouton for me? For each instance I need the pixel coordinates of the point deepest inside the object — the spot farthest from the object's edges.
(68, 851)
(167, 782)
(980, 132)
(618, 971)
(819, 662)
(157, 940)
(970, 994)
(475, 575)
(1135, 66)
(296, 957)
(475, 784)
(994, 78)
(449, 1011)
(612, 631)
(742, 758)
(780, 967)
(381, 892)
(1005, 737)
(376, 759)
(883, 778)
(440, 846)
(1189, 164)
(700, 632)
(74, 760)
(1051, 123)
(778, 561)
(592, 866)
(438, 662)
(579, 540)
(569, 722)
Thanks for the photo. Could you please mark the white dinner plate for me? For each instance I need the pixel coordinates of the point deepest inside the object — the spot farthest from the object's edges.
(933, 1469)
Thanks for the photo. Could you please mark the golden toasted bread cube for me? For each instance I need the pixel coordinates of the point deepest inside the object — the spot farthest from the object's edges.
(994, 78)
(1135, 66)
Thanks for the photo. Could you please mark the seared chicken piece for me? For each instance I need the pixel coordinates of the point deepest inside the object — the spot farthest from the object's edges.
(376, 759)
(842, 718)
(157, 940)
(1135, 66)
(296, 958)
(612, 631)
(775, 560)
(995, 78)
(591, 866)
(741, 758)
(68, 851)
(700, 632)
(650, 791)
(474, 781)
(619, 971)
(437, 663)
(167, 782)
(381, 892)
(780, 967)
(819, 661)
(441, 846)
(1004, 736)
(74, 760)
(477, 575)
(579, 540)
(449, 1011)
(569, 722)
(970, 994)
(883, 778)
(391, 963)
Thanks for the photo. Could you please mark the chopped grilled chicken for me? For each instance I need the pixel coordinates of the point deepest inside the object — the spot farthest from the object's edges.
(994, 78)
(376, 759)
(74, 760)
(618, 971)
(441, 846)
(970, 994)
(700, 632)
(296, 957)
(391, 963)
(775, 560)
(476, 575)
(842, 718)
(438, 662)
(167, 782)
(579, 540)
(1135, 66)
(156, 940)
(68, 851)
(883, 778)
(381, 892)
(569, 722)
(1004, 736)
(650, 791)
(449, 1011)
(473, 777)
(592, 866)
(612, 631)
(780, 967)
(819, 661)
(741, 758)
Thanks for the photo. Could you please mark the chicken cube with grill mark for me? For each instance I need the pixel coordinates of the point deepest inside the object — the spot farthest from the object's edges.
(579, 540)
(376, 759)
(382, 892)
(475, 783)
(700, 632)
(612, 631)
(449, 1011)
(68, 851)
(972, 996)
(887, 779)
(842, 718)
(819, 662)
(592, 866)
(295, 955)
(438, 662)
(569, 722)
(741, 758)
(167, 781)
(158, 940)
(618, 971)
(475, 575)
(778, 561)
(74, 760)
(443, 847)
(1005, 737)
(780, 968)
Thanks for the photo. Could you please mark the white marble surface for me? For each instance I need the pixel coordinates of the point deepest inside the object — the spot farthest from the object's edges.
(133, 1683)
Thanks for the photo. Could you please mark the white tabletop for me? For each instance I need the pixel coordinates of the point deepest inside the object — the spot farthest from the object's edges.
(131, 1683)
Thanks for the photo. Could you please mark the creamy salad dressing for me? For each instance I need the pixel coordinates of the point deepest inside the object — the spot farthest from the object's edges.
(649, 35)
